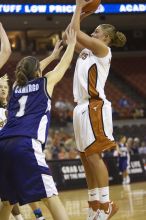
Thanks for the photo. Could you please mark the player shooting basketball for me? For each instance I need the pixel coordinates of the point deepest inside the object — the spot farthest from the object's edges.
(93, 114)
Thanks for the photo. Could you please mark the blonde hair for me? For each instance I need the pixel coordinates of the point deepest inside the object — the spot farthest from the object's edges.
(4, 78)
(118, 39)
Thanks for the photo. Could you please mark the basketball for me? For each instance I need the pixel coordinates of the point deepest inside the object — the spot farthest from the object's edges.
(92, 6)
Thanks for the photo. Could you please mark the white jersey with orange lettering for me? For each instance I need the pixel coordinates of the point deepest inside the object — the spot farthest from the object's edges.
(91, 73)
(92, 117)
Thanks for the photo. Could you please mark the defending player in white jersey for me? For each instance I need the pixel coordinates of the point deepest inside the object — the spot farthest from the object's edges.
(93, 114)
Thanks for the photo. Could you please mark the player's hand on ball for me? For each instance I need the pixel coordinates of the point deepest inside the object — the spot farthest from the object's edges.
(83, 3)
(57, 49)
(71, 36)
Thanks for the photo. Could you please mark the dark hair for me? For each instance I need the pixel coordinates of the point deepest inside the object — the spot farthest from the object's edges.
(26, 70)
(118, 39)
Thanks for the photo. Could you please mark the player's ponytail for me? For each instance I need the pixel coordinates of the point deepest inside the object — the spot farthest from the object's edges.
(117, 39)
(26, 70)
(21, 77)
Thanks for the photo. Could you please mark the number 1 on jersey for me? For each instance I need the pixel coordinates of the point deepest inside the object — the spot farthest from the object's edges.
(22, 102)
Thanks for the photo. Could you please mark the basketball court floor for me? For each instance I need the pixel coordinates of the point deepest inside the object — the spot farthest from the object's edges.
(130, 198)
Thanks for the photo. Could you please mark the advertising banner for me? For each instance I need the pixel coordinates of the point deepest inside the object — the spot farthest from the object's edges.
(69, 174)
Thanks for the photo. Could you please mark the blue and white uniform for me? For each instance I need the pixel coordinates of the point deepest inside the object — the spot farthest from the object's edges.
(124, 158)
(25, 174)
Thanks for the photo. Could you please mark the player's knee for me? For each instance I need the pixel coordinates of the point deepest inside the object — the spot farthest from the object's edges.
(93, 159)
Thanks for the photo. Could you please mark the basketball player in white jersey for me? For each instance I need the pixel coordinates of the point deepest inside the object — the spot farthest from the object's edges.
(93, 115)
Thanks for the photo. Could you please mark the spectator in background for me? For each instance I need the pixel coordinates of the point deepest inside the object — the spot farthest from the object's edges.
(123, 102)
(55, 149)
(69, 111)
(48, 154)
(142, 148)
(115, 113)
(49, 142)
(135, 146)
(73, 153)
(70, 142)
(60, 104)
(129, 144)
(138, 112)
(63, 154)
(68, 105)
(64, 110)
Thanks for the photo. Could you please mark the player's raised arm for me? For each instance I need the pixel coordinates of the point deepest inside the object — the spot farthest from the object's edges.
(93, 44)
(55, 55)
(5, 46)
(79, 47)
(56, 75)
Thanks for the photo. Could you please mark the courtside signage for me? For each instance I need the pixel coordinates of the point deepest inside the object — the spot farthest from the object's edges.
(69, 9)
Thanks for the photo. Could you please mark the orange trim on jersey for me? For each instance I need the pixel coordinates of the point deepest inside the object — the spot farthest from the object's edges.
(101, 142)
(92, 81)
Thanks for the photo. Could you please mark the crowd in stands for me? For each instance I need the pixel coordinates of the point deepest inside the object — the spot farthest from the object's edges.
(123, 105)
(61, 145)
(62, 111)
(128, 109)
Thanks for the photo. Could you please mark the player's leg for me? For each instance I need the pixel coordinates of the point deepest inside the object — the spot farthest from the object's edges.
(7, 193)
(101, 174)
(101, 128)
(56, 208)
(93, 189)
(16, 212)
(5, 210)
(126, 178)
(41, 184)
(37, 211)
